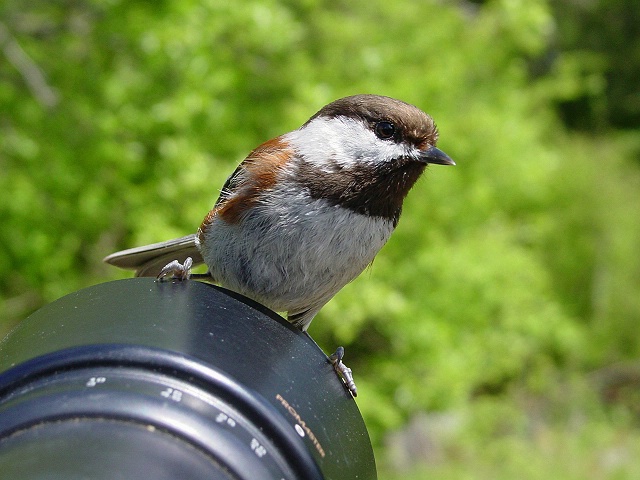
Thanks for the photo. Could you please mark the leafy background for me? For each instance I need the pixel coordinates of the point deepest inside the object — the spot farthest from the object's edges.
(496, 335)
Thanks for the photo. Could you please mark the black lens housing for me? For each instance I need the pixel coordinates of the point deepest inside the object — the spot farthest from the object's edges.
(163, 380)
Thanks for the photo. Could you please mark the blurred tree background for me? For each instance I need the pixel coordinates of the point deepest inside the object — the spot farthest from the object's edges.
(496, 335)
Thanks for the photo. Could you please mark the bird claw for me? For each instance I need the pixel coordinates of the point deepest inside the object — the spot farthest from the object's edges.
(176, 270)
(343, 371)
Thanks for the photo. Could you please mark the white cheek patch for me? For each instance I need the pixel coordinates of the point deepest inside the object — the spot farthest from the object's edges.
(347, 142)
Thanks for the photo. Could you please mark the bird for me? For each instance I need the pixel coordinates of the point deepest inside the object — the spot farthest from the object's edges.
(306, 212)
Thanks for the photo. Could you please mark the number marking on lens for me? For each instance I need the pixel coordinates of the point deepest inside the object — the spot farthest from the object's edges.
(258, 449)
(172, 394)
(224, 418)
(93, 381)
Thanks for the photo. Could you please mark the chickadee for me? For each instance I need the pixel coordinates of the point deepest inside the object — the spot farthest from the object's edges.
(306, 212)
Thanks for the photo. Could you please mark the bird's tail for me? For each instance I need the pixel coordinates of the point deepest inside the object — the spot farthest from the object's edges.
(148, 260)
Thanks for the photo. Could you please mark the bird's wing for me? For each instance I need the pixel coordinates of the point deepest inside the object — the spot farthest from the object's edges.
(254, 175)
(231, 183)
(148, 260)
(259, 165)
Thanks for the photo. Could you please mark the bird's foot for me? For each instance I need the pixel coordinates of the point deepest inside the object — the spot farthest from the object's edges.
(343, 371)
(176, 270)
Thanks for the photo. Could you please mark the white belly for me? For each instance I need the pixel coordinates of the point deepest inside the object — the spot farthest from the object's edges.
(293, 255)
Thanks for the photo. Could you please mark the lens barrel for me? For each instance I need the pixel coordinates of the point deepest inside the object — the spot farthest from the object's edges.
(141, 379)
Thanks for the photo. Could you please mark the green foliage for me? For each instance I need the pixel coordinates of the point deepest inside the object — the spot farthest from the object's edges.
(602, 39)
(567, 434)
(516, 264)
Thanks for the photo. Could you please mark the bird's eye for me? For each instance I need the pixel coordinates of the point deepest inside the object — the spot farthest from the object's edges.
(385, 130)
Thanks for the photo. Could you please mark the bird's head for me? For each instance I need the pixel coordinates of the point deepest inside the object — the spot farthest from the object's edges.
(365, 152)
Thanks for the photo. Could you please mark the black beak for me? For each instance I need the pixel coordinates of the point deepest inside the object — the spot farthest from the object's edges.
(437, 156)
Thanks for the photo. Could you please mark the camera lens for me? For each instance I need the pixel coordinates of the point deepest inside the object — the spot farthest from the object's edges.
(140, 379)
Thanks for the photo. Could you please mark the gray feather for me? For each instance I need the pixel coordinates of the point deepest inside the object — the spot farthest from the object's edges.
(148, 260)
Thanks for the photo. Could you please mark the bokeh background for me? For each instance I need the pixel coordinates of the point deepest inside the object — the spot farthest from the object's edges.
(497, 334)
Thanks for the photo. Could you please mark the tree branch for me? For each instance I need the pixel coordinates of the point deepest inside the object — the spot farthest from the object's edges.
(31, 73)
